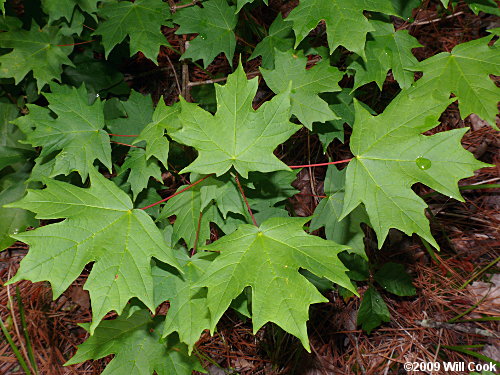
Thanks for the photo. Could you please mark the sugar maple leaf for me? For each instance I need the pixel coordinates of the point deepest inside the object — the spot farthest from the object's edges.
(64, 8)
(207, 199)
(140, 20)
(164, 118)
(77, 132)
(101, 226)
(391, 154)
(236, 136)
(13, 220)
(268, 258)
(141, 169)
(134, 339)
(214, 24)
(189, 225)
(342, 104)
(29, 48)
(347, 231)
(346, 24)
(486, 6)
(188, 312)
(138, 112)
(279, 38)
(12, 151)
(242, 3)
(373, 310)
(386, 49)
(465, 72)
(306, 85)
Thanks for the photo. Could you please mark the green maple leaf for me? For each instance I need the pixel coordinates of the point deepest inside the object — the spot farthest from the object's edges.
(13, 220)
(164, 118)
(345, 23)
(214, 24)
(268, 258)
(121, 243)
(135, 341)
(236, 136)
(268, 194)
(140, 20)
(209, 201)
(394, 279)
(386, 49)
(137, 114)
(141, 169)
(192, 219)
(100, 76)
(342, 104)
(486, 6)
(391, 154)
(12, 185)
(242, 3)
(306, 85)
(188, 312)
(77, 132)
(278, 38)
(224, 193)
(347, 231)
(465, 72)
(63, 8)
(405, 7)
(373, 310)
(11, 150)
(29, 48)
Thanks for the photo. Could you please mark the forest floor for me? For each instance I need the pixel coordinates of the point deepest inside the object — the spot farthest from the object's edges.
(462, 278)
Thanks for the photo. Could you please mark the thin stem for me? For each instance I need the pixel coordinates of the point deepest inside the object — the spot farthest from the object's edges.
(125, 144)
(222, 79)
(14, 348)
(198, 228)
(473, 307)
(481, 271)
(309, 169)
(245, 199)
(312, 195)
(319, 164)
(175, 74)
(177, 193)
(175, 7)
(24, 329)
(75, 44)
(16, 327)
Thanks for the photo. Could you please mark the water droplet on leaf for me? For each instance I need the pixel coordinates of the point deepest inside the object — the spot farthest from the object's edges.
(203, 36)
(423, 163)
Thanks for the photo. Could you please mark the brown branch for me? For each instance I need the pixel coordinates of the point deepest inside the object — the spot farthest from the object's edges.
(209, 81)
(174, 7)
